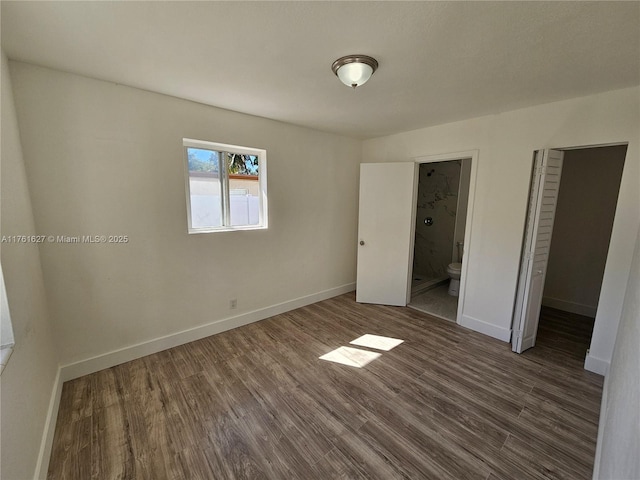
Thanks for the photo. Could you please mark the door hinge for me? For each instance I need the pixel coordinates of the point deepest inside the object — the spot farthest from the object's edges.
(541, 169)
(518, 333)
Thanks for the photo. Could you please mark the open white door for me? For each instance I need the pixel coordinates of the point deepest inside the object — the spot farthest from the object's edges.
(385, 232)
(545, 185)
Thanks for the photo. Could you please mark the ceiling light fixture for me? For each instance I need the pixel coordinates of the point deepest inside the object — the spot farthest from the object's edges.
(354, 70)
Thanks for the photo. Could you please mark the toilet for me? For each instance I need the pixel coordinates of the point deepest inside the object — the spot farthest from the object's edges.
(454, 270)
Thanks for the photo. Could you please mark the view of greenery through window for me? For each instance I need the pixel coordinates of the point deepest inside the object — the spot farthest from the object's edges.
(207, 161)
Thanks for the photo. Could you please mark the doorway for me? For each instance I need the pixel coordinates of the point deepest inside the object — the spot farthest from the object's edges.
(440, 225)
(562, 308)
(386, 228)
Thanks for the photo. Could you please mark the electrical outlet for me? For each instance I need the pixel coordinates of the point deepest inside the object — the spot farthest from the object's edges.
(233, 303)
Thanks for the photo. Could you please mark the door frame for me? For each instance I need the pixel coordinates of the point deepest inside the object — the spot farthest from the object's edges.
(473, 156)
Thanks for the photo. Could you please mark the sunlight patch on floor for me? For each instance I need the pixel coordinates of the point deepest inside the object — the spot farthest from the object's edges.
(377, 341)
(353, 357)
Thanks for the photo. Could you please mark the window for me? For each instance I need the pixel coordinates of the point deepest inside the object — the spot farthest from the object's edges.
(6, 330)
(226, 187)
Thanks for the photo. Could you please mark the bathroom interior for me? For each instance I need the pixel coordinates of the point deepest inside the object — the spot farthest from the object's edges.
(441, 212)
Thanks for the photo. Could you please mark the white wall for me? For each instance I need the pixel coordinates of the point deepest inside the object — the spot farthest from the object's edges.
(27, 382)
(506, 142)
(619, 431)
(107, 159)
(582, 227)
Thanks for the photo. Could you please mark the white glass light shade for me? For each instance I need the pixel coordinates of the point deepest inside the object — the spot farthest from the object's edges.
(354, 74)
(354, 70)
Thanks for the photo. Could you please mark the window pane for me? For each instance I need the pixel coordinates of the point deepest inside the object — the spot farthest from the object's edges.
(244, 188)
(204, 188)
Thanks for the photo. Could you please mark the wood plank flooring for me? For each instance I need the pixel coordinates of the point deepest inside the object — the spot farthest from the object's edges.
(258, 403)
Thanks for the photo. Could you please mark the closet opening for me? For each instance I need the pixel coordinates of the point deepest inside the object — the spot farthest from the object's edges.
(572, 205)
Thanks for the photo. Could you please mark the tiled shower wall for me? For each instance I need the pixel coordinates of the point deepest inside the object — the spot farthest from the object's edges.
(438, 199)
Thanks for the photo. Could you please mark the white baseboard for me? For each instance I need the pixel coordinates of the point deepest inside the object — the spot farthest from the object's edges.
(571, 307)
(490, 329)
(126, 354)
(46, 443)
(596, 365)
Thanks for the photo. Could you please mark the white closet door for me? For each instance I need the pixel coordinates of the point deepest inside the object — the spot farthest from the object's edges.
(385, 232)
(542, 207)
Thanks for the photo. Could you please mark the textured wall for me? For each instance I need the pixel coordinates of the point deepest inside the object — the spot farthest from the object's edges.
(28, 379)
(619, 432)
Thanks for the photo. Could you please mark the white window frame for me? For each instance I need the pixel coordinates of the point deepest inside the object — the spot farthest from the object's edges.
(6, 337)
(224, 179)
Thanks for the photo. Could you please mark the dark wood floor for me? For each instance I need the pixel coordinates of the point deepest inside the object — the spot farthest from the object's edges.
(257, 402)
(565, 334)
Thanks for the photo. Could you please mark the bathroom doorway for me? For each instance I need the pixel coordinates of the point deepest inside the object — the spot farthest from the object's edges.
(386, 228)
(571, 253)
(442, 201)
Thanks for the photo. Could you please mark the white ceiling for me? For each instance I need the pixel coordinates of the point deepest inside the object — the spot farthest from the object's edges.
(439, 61)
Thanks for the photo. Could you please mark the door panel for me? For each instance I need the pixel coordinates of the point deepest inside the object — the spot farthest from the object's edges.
(385, 232)
(539, 228)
